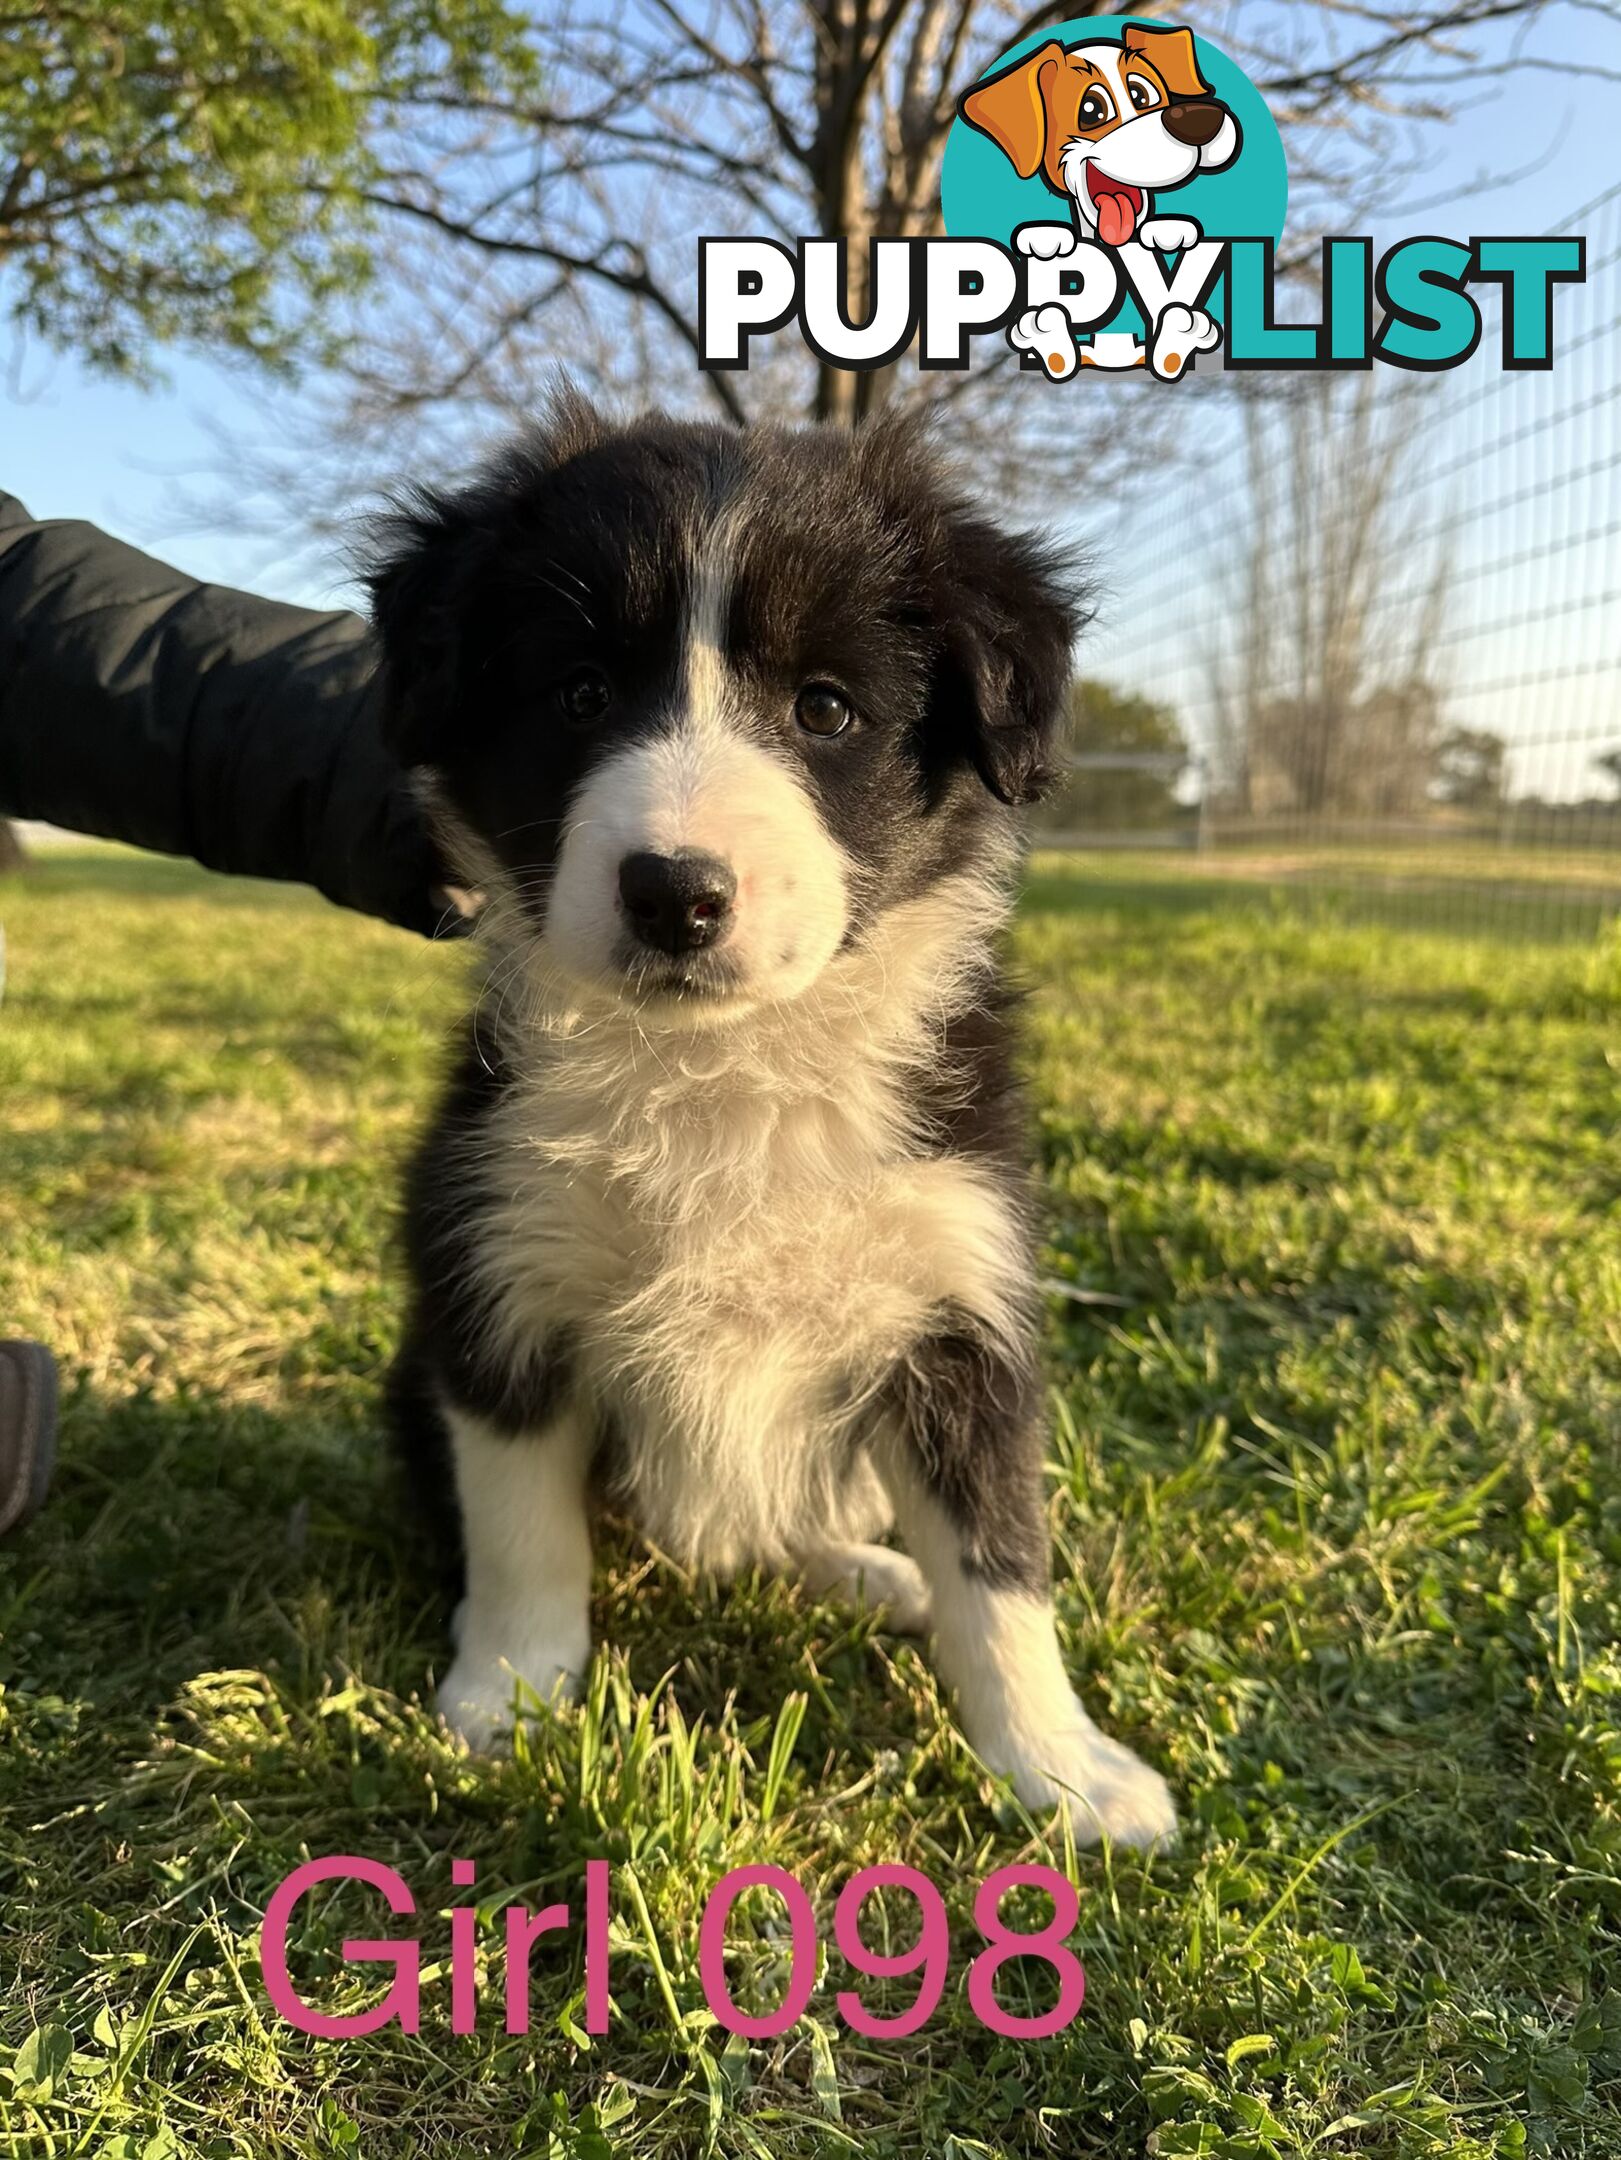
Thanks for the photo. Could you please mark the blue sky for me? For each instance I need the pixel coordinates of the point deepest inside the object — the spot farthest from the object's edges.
(1531, 653)
(72, 446)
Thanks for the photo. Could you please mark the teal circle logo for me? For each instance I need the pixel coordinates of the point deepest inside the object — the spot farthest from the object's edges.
(1123, 128)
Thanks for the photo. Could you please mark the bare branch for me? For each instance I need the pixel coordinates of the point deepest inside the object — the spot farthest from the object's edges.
(633, 278)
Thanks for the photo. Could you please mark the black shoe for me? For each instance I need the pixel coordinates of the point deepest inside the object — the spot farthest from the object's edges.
(27, 1430)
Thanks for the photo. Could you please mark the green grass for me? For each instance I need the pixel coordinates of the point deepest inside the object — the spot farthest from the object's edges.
(1336, 1516)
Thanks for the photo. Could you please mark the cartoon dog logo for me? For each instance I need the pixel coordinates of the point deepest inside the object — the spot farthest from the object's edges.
(1109, 127)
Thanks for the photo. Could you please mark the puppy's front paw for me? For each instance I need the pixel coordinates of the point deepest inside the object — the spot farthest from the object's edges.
(1178, 335)
(1106, 1790)
(1045, 242)
(895, 1585)
(1046, 332)
(476, 1697)
(873, 1576)
(1169, 235)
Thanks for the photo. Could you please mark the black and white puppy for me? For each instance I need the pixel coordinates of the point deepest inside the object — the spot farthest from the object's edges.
(725, 1208)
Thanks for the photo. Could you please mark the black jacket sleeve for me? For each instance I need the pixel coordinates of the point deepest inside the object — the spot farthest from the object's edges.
(139, 704)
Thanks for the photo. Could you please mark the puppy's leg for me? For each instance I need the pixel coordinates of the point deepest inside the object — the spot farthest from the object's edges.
(963, 1466)
(872, 1576)
(528, 1546)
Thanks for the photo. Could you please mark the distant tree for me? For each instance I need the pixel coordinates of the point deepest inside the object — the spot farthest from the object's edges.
(1609, 763)
(1106, 723)
(13, 855)
(561, 225)
(184, 170)
(1345, 755)
(1322, 671)
(1471, 769)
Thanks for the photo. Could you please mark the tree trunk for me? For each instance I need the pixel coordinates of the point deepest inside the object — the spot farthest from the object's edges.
(13, 855)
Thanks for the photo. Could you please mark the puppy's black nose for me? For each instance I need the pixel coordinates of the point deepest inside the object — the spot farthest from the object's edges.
(677, 903)
(1195, 123)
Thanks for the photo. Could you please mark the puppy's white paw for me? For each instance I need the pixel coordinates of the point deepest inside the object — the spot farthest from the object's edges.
(1178, 335)
(1045, 331)
(876, 1577)
(477, 1695)
(895, 1585)
(1045, 242)
(1169, 235)
(1106, 1790)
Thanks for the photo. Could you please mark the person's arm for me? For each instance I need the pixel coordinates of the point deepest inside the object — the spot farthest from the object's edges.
(139, 704)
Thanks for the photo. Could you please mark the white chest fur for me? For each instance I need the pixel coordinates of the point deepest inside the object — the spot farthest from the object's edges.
(741, 1231)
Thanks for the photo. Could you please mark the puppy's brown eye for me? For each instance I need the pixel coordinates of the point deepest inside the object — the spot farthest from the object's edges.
(1143, 95)
(1096, 107)
(584, 695)
(822, 710)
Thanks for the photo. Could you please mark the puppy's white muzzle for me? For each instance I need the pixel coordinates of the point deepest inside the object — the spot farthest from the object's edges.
(696, 876)
(1143, 154)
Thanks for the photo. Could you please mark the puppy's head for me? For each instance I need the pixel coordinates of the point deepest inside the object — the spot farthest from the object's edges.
(1105, 124)
(699, 706)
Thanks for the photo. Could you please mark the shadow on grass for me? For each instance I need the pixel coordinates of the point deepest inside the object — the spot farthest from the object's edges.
(1053, 891)
(1472, 909)
(112, 873)
(1129, 1148)
(184, 1533)
(197, 1535)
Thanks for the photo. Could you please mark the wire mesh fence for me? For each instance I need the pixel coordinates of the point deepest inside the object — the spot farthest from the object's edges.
(1371, 635)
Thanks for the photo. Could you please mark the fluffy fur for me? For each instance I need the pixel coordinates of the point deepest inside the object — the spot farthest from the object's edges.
(729, 1217)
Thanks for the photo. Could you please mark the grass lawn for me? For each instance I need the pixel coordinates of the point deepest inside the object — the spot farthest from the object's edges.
(1336, 1516)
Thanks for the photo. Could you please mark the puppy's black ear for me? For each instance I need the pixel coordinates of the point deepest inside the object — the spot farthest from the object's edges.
(1008, 618)
(431, 565)
(425, 562)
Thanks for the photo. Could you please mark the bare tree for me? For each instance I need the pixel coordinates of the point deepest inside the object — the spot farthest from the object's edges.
(1324, 681)
(560, 227)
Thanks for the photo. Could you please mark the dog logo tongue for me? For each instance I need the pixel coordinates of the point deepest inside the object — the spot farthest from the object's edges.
(1117, 211)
